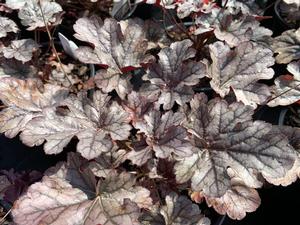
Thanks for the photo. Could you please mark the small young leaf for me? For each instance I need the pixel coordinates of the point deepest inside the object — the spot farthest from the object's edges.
(173, 76)
(287, 45)
(21, 50)
(165, 134)
(7, 25)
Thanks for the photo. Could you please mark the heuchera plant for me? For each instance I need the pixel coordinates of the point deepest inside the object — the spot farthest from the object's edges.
(163, 121)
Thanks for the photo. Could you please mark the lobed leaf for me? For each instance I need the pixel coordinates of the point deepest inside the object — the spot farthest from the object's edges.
(173, 76)
(35, 13)
(25, 100)
(96, 124)
(7, 25)
(225, 136)
(59, 199)
(165, 133)
(21, 50)
(239, 68)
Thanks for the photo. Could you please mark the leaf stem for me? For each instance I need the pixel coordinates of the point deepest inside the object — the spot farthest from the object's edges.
(52, 43)
(4, 217)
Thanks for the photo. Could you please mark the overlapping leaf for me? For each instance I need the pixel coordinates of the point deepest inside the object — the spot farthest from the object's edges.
(239, 68)
(225, 136)
(96, 124)
(21, 50)
(287, 45)
(237, 201)
(235, 31)
(119, 46)
(25, 100)
(174, 74)
(7, 25)
(70, 196)
(35, 13)
(140, 103)
(165, 133)
(287, 88)
(15, 4)
(178, 210)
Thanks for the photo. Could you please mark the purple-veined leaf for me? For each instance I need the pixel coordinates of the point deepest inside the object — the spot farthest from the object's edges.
(239, 68)
(139, 103)
(225, 136)
(236, 31)
(253, 94)
(25, 100)
(293, 135)
(237, 201)
(174, 76)
(107, 162)
(165, 134)
(67, 195)
(287, 88)
(108, 80)
(119, 46)
(35, 13)
(21, 50)
(287, 45)
(178, 210)
(7, 25)
(96, 124)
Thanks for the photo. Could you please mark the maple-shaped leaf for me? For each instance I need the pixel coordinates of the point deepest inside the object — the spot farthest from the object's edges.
(7, 25)
(287, 45)
(21, 50)
(96, 124)
(35, 13)
(108, 80)
(15, 4)
(25, 100)
(287, 88)
(235, 31)
(174, 74)
(165, 134)
(240, 67)
(65, 197)
(225, 136)
(177, 210)
(107, 162)
(139, 103)
(119, 46)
